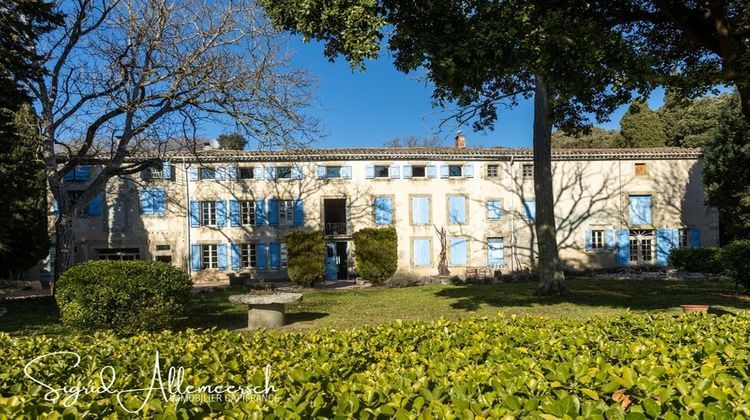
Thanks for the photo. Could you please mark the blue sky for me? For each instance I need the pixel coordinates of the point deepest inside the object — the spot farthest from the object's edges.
(368, 108)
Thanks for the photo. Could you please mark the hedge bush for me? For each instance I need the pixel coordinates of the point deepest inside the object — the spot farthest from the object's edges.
(306, 253)
(735, 257)
(630, 366)
(696, 260)
(376, 253)
(125, 296)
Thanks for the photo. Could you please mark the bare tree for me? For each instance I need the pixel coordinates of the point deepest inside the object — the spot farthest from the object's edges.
(130, 75)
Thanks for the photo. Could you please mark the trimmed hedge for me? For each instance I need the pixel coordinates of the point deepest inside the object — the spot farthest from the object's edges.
(306, 253)
(507, 367)
(736, 258)
(125, 296)
(376, 253)
(696, 260)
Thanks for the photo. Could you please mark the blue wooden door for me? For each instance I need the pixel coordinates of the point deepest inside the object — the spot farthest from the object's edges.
(332, 262)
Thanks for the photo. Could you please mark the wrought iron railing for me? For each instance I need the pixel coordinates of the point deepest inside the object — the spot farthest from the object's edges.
(335, 229)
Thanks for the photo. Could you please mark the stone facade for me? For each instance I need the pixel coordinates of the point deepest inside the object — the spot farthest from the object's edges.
(614, 208)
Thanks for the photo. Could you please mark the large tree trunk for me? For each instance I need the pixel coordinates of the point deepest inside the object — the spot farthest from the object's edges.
(64, 245)
(551, 276)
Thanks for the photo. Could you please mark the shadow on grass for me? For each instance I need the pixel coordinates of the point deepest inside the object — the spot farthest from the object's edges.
(31, 316)
(621, 294)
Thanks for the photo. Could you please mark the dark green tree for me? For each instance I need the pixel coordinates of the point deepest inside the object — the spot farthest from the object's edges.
(481, 54)
(641, 127)
(595, 138)
(232, 141)
(693, 123)
(726, 174)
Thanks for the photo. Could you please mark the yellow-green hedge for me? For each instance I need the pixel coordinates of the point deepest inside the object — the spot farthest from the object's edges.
(666, 367)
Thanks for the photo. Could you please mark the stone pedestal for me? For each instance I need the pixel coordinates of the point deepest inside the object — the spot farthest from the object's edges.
(265, 311)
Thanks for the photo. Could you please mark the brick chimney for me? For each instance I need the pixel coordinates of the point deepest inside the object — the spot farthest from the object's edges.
(460, 140)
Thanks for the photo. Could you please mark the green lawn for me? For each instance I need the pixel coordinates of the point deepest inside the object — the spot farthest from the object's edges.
(353, 308)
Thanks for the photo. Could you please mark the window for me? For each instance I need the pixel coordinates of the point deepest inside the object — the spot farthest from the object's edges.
(381, 171)
(164, 258)
(529, 210)
(208, 213)
(493, 171)
(456, 209)
(79, 173)
(454, 170)
(248, 256)
(641, 246)
(684, 238)
(286, 212)
(527, 171)
(420, 210)
(495, 255)
(640, 209)
(283, 255)
(247, 172)
(419, 171)
(333, 171)
(383, 210)
(597, 239)
(154, 173)
(641, 169)
(209, 256)
(459, 251)
(163, 247)
(247, 212)
(284, 172)
(208, 173)
(494, 210)
(421, 250)
(119, 254)
(154, 201)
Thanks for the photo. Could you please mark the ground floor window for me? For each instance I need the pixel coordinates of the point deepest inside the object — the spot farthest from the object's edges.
(249, 257)
(283, 255)
(119, 254)
(209, 256)
(164, 258)
(641, 246)
(684, 238)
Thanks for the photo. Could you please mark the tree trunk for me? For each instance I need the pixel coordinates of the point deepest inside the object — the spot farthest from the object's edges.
(64, 245)
(551, 276)
(744, 92)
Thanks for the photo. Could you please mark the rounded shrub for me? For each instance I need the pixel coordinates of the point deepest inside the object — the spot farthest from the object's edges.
(305, 256)
(735, 257)
(696, 260)
(376, 253)
(124, 296)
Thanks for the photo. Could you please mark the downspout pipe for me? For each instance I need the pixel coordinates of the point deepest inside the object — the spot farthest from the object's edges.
(187, 219)
(512, 217)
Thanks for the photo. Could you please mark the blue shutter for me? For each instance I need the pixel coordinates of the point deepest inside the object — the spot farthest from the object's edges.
(459, 254)
(395, 171)
(320, 172)
(221, 252)
(160, 201)
(147, 201)
(609, 240)
(495, 252)
(296, 172)
(421, 255)
(299, 213)
(444, 171)
(469, 171)
(82, 173)
(195, 251)
(275, 251)
(640, 209)
(233, 173)
(623, 247)
(369, 172)
(236, 255)
(431, 171)
(346, 172)
(457, 209)
(260, 253)
(407, 171)
(260, 211)
(420, 209)
(221, 213)
(271, 172)
(529, 209)
(70, 175)
(383, 211)
(94, 208)
(273, 211)
(664, 246)
(258, 173)
(221, 173)
(192, 173)
(588, 240)
(195, 214)
(234, 213)
(695, 238)
(494, 210)
(166, 170)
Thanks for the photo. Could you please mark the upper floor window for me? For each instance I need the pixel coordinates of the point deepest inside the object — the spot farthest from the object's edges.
(381, 171)
(420, 210)
(247, 212)
(247, 172)
(419, 171)
(455, 170)
(208, 173)
(333, 171)
(493, 171)
(597, 239)
(208, 213)
(641, 169)
(286, 212)
(78, 173)
(527, 171)
(284, 172)
(640, 209)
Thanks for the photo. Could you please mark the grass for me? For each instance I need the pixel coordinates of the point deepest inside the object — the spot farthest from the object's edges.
(354, 308)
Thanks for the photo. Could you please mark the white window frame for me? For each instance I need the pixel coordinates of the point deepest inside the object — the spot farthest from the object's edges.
(248, 255)
(247, 211)
(208, 213)
(329, 175)
(283, 255)
(387, 171)
(286, 212)
(209, 256)
(495, 168)
(597, 239)
(460, 171)
(527, 171)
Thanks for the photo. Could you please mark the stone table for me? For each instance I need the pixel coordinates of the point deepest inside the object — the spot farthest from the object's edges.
(265, 311)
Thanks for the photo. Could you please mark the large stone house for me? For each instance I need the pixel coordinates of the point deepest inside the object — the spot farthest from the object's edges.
(220, 212)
